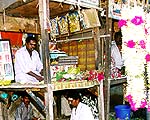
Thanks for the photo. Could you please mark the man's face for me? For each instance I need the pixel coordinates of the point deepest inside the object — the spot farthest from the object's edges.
(26, 100)
(31, 45)
(74, 102)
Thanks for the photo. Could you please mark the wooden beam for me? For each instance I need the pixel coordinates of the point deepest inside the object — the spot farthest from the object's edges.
(37, 102)
(44, 17)
(18, 4)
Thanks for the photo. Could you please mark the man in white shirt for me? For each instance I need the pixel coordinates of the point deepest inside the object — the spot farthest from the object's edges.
(115, 54)
(28, 66)
(80, 111)
(65, 108)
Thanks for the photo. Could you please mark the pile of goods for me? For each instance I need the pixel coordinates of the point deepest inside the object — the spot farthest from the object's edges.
(74, 74)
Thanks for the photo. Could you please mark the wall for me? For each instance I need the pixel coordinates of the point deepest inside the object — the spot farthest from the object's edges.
(17, 24)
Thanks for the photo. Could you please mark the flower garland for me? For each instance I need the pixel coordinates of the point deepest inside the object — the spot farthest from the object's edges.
(136, 53)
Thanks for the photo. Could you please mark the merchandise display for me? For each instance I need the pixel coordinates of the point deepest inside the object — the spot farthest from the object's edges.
(63, 24)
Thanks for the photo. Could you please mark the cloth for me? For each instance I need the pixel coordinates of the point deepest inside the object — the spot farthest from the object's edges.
(115, 54)
(65, 108)
(24, 63)
(93, 104)
(23, 113)
(14, 37)
(82, 112)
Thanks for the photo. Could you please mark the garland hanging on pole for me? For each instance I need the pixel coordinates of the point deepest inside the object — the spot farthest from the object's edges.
(136, 54)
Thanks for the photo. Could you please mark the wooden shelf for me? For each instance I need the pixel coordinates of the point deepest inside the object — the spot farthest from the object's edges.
(21, 87)
(55, 86)
(74, 85)
(118, 81)
(62, 85)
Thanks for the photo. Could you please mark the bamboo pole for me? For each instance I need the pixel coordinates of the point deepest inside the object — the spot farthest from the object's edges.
(44, 16)
(107, 64)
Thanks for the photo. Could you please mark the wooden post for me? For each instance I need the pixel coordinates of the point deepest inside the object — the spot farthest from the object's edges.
(44, 16)
(98, 58)
(49, 102)
(107, 63)
(101, 102)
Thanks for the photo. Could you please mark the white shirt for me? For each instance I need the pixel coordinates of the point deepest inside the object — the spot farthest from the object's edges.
(24, 63)
(82, 112)
(115, 53)
(24, 113)
(65, 108)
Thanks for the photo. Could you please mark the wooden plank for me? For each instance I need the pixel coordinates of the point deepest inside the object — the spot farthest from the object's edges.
(49, 103)
(44, 16)
(107, 63)
(37, 103)
(74, 85)
(24, 86)
(101, 101)
(118, 81)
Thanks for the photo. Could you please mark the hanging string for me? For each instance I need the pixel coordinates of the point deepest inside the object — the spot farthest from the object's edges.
(146, 81)
(4, 19)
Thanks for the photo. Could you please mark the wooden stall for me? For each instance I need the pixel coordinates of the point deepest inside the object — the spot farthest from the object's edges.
(91, 45)
(40, 11)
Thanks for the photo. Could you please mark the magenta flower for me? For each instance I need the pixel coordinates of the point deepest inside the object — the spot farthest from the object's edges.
(143, 104)
(148, 109)
(142, 44)
(132, 105)
(137, 20)
(122, 23)
(147, 57)
(129, 98)
(130, 44)
(100, 76)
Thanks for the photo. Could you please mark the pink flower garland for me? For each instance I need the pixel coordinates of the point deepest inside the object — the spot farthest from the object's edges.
(122, 23)
(133, 104)
(142, 44)
(130, 44)
(137, 20)
(147, 57)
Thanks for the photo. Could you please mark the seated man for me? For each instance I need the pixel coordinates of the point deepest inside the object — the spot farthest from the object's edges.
(25, 111)
(28, 66)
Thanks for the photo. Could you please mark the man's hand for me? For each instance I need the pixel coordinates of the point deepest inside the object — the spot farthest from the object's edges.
(41, 72)
(38, 77)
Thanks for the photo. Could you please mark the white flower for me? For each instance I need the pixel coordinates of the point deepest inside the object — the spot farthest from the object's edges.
(134, 58)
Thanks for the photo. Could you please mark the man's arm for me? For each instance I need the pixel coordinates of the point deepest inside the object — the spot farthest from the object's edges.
(18, 114)
(39, 78)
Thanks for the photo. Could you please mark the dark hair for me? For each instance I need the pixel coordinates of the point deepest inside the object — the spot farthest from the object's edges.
(74, 95)
(24, 94)
(117, 34)
(118, 38)
(29, 38)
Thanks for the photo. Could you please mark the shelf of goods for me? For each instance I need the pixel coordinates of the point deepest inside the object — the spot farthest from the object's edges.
(55, 85)
(74, 84)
